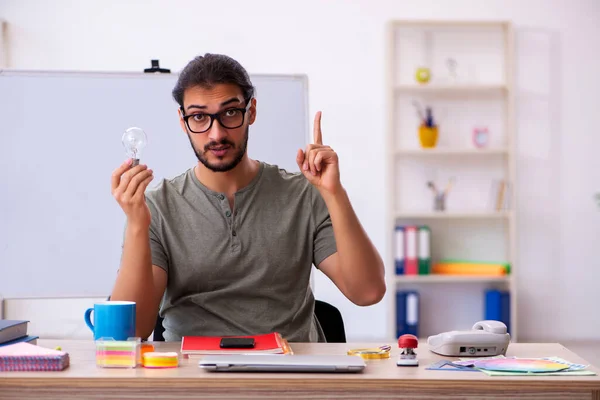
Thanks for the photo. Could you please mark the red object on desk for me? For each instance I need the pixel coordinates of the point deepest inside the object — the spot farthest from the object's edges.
(408, 342)
(270, 343)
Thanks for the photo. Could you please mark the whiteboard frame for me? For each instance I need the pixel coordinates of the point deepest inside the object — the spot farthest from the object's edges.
(11, 72)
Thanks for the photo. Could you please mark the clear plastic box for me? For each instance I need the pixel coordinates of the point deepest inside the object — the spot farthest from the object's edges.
(112, 353)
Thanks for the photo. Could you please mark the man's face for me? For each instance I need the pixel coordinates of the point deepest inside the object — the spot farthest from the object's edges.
(220, 148)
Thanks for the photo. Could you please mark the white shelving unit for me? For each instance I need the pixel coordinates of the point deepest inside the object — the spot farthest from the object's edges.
(479, 93)
(453, 215)
(3, 44)
(449, 278)
(454, 88)
(451, 152)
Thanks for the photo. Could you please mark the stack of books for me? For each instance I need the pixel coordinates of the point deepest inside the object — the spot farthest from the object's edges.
(15, 331)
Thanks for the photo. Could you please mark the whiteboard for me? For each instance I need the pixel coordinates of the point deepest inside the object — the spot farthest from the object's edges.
(60, 140)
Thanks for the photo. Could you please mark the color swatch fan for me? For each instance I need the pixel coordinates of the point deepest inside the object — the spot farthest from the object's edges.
(520, 365)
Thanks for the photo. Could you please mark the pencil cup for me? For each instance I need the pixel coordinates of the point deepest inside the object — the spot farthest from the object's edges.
(428, 136)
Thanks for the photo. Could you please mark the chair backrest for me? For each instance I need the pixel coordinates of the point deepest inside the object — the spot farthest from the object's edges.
(157, 336)
(328, 316)
(331, 322)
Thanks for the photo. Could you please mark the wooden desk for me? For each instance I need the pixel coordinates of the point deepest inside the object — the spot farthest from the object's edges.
(381, 379)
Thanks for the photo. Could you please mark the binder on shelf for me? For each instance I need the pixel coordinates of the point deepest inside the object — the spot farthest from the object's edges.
(492, 305)
(424, 251)
(497, 306)
(407, 312)
(399, 249)
(411, 266)
(505, 309)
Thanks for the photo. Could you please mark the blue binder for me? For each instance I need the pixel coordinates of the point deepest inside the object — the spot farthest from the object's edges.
(407, 312)
(497, 306)
(505, 309)
(399, 250)
(492, 305)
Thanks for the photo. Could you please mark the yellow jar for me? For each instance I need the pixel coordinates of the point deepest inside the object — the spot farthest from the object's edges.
(428, 136)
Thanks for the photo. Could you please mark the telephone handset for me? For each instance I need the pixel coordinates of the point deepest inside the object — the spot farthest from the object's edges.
(486, 338)
(490, 326)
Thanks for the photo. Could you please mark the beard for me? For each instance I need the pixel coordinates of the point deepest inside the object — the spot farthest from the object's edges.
(222, 167)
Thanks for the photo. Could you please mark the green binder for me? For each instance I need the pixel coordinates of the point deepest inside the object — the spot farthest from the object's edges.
(424, 250)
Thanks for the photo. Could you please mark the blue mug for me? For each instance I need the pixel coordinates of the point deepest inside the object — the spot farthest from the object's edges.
(112, 319)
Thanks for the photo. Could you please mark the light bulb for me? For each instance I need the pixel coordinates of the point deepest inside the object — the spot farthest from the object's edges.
(134, 139)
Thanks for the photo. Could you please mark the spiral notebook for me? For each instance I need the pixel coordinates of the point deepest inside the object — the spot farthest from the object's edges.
(28, 357)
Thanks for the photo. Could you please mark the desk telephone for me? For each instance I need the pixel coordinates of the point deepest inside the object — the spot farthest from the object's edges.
(486, 338)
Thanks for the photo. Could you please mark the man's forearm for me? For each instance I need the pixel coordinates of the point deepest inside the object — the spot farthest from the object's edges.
(135, 281)
(361, 265)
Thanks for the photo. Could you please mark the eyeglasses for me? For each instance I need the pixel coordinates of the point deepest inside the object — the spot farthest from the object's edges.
(230, 118)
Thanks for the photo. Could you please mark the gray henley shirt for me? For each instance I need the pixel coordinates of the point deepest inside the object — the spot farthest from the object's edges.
(245, 270)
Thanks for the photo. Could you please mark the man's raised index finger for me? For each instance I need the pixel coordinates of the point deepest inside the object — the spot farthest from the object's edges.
(317, 129)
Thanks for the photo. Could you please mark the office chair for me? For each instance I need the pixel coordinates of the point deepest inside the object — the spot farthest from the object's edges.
(331, 322)
(329, 318)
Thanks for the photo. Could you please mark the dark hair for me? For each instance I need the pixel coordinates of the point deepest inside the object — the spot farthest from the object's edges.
(209, 70)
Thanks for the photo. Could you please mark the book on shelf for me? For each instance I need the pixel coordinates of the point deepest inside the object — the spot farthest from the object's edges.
(12, 329)
(269, 343)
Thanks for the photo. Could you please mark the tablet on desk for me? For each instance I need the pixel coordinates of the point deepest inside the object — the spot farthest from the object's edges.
(282, 363)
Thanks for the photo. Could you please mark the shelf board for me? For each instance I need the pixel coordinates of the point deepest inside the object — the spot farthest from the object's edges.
(429, 23)
(449, 278)
(451, 152)
(454, 215)
(456, 88)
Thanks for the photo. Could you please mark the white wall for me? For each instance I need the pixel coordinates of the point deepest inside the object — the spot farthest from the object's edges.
(340, 45)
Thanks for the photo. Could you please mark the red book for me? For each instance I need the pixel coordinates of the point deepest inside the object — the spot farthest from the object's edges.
(269, 343)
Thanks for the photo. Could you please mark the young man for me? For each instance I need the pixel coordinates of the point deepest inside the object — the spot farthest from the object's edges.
(228, 245)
